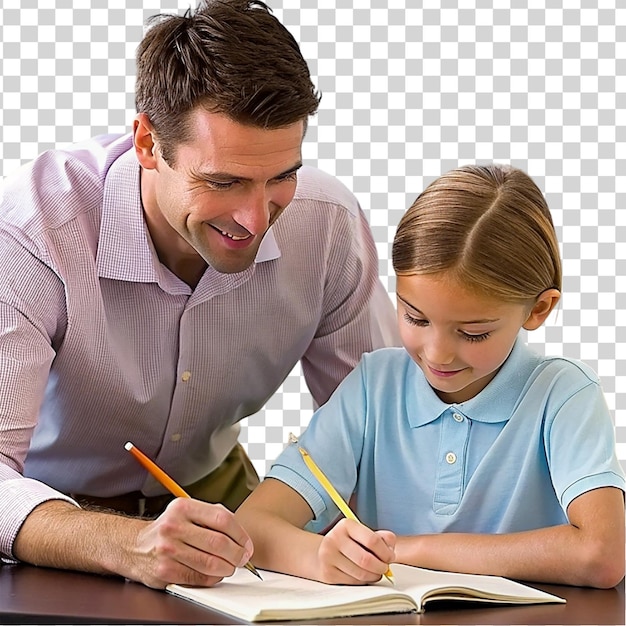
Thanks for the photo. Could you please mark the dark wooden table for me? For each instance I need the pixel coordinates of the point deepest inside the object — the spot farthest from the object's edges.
(30, 595)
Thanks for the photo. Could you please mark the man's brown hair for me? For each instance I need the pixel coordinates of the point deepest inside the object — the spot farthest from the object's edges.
(228, 56)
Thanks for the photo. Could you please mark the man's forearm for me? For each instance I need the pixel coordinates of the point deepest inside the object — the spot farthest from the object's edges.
(58, 534)
(191, 542)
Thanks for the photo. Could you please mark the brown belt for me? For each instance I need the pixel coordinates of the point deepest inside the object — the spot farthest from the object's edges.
(134, 503)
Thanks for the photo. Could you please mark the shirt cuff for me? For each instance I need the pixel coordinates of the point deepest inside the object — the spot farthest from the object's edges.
(18, 498)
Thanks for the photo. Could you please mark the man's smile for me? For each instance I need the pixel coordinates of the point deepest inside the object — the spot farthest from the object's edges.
(225, 233)
(234, 237)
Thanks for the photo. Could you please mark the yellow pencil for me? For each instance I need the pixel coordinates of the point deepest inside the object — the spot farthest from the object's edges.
(336, 498)
(171, 485)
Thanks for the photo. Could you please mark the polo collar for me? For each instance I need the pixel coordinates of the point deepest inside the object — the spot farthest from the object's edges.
(495, 403)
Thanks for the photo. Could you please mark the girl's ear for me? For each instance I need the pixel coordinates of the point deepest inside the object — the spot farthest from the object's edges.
(546, 301)
(143, 139)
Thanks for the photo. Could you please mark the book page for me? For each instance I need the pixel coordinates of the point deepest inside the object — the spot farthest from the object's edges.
(280, 596)
(423, 583)
(245, 595)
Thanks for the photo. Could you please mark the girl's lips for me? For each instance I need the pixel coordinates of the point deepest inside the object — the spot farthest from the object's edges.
(444, 374)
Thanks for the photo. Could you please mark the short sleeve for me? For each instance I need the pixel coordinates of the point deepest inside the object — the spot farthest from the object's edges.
(334, 440)
(580, 446)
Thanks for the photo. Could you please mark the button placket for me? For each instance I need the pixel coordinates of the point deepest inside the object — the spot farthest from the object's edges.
(451, 467)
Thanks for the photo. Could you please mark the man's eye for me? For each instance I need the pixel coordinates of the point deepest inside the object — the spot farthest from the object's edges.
(219, 186)
(288, 177)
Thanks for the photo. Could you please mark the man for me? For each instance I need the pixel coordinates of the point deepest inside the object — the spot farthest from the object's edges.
(158, 288)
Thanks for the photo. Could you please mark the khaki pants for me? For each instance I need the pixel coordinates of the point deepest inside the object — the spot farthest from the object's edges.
(229, 484)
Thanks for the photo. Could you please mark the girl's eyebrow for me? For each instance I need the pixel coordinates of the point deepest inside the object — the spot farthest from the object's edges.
(408, 303)
(480, 321)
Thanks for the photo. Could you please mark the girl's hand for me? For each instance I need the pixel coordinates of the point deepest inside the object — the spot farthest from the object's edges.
(352, 554)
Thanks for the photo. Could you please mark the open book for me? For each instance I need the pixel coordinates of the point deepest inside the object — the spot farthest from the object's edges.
(280, 597)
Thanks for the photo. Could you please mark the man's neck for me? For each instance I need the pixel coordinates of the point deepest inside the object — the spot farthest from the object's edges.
(188, 265)
(188, 270)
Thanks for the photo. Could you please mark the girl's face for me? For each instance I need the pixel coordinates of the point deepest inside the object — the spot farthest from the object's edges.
(459, 339)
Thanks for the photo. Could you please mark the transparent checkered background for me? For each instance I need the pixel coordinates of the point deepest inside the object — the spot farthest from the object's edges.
(407, 95)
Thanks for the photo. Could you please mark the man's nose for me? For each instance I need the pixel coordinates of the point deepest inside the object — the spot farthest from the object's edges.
(254, 213)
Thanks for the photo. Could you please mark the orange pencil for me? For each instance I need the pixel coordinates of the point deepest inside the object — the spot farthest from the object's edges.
(171, 485)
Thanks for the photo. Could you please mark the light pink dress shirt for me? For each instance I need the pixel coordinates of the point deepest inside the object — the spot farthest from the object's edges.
(101, 344)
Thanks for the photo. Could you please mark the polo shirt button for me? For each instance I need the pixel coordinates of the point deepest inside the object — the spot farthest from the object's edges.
(175, 437)
(457, 417)
(450, 458)
(185, 376)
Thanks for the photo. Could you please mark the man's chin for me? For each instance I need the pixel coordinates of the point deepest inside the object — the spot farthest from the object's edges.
(230, 266)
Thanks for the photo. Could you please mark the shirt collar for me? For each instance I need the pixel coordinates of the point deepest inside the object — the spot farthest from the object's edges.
(268, 250)
(123, 232)
(123, 228)
(495, 403)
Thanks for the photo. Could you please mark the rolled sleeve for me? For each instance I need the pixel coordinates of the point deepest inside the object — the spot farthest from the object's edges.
(18, 497)
(28, 318)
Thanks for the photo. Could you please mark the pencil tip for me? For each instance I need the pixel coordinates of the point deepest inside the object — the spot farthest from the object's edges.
(253, 569)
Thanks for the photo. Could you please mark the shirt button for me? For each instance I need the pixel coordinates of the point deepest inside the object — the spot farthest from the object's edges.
(457, 417)
(175, 437)
(450, 458)
(185, 376)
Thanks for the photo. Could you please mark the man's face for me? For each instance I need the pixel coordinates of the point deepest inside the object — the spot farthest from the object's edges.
(224, 189)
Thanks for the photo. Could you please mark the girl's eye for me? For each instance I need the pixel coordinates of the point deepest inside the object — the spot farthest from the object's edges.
(473, 338)
(416, 321)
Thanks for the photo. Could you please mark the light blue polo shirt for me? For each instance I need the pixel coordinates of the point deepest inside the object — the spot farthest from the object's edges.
(510, 459)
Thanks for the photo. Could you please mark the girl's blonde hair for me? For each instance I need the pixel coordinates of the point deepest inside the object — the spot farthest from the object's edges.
(488, 228)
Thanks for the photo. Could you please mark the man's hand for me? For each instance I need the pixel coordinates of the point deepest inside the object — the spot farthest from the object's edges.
(352, 554)
(192, 542)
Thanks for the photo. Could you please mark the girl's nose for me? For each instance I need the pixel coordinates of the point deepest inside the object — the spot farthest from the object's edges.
(439, 351)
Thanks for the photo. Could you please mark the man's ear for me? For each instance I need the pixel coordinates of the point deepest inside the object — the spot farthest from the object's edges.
(143, 139)
(545, 303)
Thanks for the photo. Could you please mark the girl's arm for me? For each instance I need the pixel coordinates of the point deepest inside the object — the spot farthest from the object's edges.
(274, 515)
(589, 551)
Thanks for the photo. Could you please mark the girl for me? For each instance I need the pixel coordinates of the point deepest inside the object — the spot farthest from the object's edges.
(473, 453)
